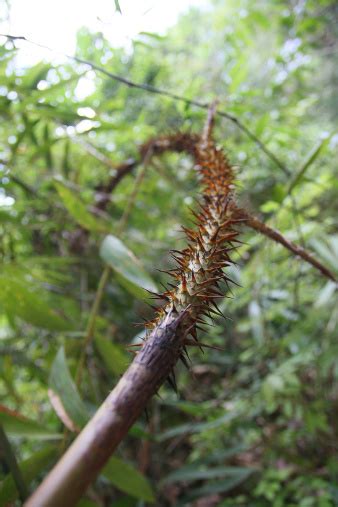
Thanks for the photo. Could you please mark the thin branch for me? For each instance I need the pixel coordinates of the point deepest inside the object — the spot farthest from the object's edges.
(210, 121)
(165, 93)
(91, 324)
(104, 190)
(132, 198)
(94, 152)
(255, 223)
(306, 164)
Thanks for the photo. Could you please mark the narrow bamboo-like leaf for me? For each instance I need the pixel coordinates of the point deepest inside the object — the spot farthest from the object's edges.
(30, 469)
(307, 163)
(20, 299)
(112, 355)
(222, 486)
(257, 324)
(8, 456)
(77, 209)
(17, 425)
(196, 427)
(62, 384)
(197, 472)
(128, 480)
(129, 270)
(85, 502)
(117, 6)
(326, 294)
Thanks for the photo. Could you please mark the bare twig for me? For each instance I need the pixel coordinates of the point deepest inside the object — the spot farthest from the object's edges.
(209, 124)
(104, 190)
(255, 223)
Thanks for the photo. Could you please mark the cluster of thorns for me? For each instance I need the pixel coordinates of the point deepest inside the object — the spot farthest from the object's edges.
(199, 272)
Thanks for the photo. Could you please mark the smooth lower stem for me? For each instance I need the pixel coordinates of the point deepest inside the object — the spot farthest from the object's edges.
(84, 459)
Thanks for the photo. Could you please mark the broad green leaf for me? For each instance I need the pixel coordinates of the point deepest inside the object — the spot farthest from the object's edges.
(20, 299)
(129, 270)
(17, 425)
(128, 480)
(30, 468)
(62, 384)
(77, 209)
(112, 355)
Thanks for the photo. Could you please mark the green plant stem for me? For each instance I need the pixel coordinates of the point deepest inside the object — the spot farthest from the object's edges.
(91, 323)
(6, 453)
(131, 201)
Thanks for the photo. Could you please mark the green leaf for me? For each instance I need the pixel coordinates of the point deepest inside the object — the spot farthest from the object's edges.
(128, 269)
(20, 298)
(30, 468)
(128, 480)
(17, 425)
(112, 355)
(63, 386)
(196, 427)
(307, 163)
(85, 502)
(117, 6)
(220, 486)
(197, 472)
(325, 295)
(77, 209)
(327, 248)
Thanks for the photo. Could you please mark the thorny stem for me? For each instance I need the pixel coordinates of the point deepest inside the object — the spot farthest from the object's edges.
(198, 272)
(196, 289)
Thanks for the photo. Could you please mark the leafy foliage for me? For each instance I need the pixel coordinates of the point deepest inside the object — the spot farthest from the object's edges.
(253, 424)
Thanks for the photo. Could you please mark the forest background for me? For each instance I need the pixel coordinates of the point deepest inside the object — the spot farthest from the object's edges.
(254, 423)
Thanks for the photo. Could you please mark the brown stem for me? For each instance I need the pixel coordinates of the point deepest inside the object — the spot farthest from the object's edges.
(271, 233)
(91, 450)
(104, 191)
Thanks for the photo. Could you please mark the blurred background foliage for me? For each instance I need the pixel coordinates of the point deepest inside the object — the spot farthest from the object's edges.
(256, 424)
